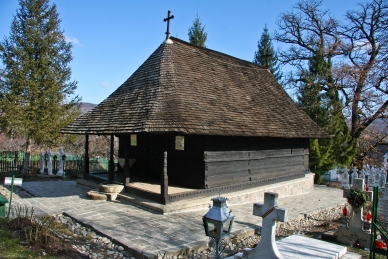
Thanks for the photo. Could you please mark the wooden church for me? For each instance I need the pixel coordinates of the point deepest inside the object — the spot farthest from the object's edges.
(197, 118)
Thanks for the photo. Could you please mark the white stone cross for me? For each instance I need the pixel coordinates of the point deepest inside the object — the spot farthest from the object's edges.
(356, 218)
(371, 180)
(49, 163)
(383, 178)
(41, 169)
(376, 175)
(354, 174)
(61, 172)
(271, 213)
(345, 179)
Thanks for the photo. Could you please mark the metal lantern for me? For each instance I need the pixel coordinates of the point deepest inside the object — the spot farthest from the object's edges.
(218, 222)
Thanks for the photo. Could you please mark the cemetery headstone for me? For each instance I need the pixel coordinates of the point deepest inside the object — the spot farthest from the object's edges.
(61, 163)
(383, 178)
(41, 168)
(383, 205)
(345, 179)
(270, 213)
(371, 180)
(356, 220)
(49, 163)
(376, 175)
(385, 157)
(361, 174)
(354, 174)
(355, 231)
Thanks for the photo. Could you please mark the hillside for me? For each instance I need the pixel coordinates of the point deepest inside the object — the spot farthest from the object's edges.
(85, 107)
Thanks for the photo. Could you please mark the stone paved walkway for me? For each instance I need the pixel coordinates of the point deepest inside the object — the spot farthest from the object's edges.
(150, 233)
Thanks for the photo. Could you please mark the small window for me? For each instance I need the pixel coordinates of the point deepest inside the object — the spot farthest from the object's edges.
(134, 140)
(179, 143)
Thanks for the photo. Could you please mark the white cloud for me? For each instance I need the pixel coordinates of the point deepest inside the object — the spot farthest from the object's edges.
(106, 85)
(73, 40)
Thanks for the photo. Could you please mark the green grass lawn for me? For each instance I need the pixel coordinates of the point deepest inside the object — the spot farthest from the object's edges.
(10, 247)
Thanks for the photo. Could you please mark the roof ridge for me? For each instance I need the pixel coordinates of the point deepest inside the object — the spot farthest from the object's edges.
(216, 52)
(166, 53)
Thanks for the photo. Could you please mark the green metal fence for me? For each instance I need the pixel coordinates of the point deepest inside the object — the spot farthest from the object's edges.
(377, 229)
(11, 161)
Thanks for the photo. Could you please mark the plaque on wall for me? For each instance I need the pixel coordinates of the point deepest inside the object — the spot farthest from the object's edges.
(179, 143)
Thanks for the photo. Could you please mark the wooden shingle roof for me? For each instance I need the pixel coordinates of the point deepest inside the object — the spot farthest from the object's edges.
(185, 89)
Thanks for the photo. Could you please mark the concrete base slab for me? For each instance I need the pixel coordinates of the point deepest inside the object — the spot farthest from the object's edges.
(349, 236)
(289, 188)
(49, 176)
(302, 247)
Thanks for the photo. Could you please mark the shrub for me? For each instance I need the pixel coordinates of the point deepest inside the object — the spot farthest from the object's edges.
(317, 178)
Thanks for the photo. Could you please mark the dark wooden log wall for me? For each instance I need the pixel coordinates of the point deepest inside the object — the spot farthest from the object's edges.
(211, 161)
(185, 168)
(253, 159)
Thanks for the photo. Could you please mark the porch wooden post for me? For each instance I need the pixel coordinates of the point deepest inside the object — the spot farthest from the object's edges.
(86, 166)
(111, 175)
(164, 181)
(126, 164)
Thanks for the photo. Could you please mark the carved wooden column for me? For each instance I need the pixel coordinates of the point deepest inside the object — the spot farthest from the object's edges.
(86, 166)
(126, 163)
(164, 181)
(111, 175)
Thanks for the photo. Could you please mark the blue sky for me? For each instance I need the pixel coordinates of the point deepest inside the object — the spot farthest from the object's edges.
(113, 38)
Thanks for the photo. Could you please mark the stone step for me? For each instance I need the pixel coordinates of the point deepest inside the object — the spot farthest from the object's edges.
(95, 195)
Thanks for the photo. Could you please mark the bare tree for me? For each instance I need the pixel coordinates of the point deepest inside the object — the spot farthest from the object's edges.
(363, 77)
(356, 54)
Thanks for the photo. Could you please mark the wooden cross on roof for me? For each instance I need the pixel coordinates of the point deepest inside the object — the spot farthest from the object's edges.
(168, 23)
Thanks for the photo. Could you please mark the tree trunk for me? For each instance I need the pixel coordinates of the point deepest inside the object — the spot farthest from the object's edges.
(26, 161)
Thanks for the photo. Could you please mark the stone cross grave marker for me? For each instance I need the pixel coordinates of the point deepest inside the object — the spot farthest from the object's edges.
(49, 163)
(270, 213)
(362, 174)
(356, 218)
(61, 172)
(383, 178)
(371, 180)
(345, 179)
(385, 162)
(41, 169)
(383, 205)
(376, 175)
(354, 174)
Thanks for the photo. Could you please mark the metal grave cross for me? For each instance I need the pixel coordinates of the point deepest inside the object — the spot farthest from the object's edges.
(270, 213)
(356, 219)
(12, 181)
(168, 23)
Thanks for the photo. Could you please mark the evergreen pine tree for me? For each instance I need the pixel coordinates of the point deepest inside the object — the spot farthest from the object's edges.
(197, 34)
(266, 55)
(38, 96)
(325, 109)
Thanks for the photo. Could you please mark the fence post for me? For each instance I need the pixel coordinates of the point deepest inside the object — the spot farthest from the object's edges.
(375, 203)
